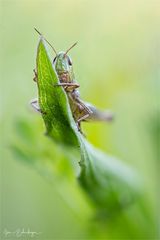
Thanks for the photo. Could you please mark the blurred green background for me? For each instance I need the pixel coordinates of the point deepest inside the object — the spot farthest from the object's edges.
(116, 63)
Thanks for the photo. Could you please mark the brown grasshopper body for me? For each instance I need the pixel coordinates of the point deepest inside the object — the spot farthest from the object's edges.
(81, 110)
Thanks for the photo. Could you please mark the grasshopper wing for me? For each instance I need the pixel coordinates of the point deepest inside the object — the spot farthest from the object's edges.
(99, 115)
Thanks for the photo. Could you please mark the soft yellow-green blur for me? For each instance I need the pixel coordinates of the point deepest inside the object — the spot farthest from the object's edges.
(116, 63)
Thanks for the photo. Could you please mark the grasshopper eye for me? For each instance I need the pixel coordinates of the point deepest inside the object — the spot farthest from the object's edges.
(54, 60)
(69, 61)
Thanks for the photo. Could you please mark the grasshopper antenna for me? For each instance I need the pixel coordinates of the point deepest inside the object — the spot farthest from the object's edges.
(70, 48)
(46, 40)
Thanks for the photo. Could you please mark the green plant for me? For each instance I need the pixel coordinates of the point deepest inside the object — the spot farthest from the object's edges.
(109, 183)
(107, 189)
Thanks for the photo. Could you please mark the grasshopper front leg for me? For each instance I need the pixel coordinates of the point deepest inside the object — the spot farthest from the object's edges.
(35, 75)
(68, 86)
(34, 103)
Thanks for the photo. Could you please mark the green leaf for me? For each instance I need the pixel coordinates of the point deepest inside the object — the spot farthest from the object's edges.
(110, 184)
(53, 102)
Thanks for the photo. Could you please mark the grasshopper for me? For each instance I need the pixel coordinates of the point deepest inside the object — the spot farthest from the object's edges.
(81, 111)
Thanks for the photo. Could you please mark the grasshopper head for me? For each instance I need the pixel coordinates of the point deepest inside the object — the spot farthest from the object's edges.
(62, 63)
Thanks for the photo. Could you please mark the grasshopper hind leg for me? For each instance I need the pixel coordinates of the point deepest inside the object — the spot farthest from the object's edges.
(80, 115)
(79, 122)
(83, 118)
